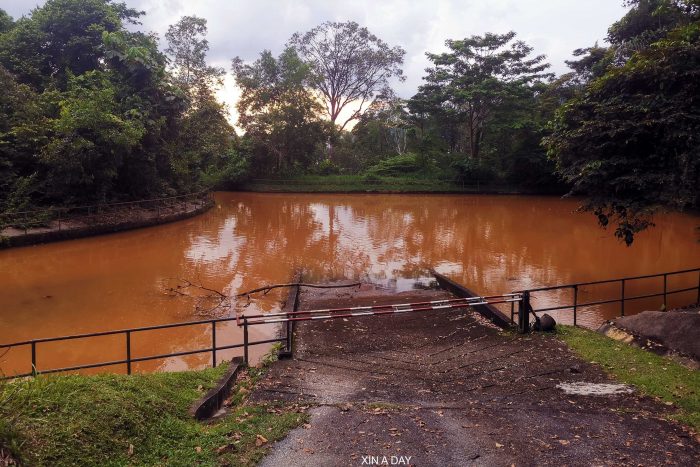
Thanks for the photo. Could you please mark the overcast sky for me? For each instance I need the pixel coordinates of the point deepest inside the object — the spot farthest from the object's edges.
(245, 28)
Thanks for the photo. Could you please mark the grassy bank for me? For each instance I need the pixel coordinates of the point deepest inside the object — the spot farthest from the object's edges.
(652, 374)
(373, 184)
(134, 420)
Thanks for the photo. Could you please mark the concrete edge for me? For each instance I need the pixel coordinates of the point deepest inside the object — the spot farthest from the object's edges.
(102, 229)
(211, 402)
(490, 312)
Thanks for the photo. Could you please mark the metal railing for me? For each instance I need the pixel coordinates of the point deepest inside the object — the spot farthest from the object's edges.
(622, 298)
(523, 298)
(34, 344)
(90, 215)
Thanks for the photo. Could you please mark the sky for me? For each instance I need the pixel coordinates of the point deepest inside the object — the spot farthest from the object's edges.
(246, 27)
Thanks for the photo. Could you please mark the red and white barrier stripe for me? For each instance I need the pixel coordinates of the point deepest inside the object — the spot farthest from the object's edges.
(370, 310)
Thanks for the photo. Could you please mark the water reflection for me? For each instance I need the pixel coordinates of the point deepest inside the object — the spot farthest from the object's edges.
(493, 244)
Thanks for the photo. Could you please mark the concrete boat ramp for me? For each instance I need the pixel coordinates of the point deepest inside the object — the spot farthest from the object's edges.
(449, 388)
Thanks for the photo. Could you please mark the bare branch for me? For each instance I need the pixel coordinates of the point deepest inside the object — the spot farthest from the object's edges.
(267, 288)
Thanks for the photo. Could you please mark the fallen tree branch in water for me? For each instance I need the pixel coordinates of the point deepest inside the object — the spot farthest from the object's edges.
(220, 300)
(267, 288)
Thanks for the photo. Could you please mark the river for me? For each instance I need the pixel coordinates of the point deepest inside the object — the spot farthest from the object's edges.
(492, 244)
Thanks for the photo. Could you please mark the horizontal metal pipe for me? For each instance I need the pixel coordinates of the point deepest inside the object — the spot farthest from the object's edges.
(119, 331)
(603, 302)
(142, 359)
(648, 276)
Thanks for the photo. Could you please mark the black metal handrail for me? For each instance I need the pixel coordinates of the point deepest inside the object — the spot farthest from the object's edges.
(213, 348)
(622, 297)
(106, 205)
(43, 217)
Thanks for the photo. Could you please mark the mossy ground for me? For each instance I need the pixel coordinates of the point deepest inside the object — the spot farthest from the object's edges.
(135, 420)
(653, 375)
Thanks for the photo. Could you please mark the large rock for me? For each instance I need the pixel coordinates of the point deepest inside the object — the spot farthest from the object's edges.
(677, 331)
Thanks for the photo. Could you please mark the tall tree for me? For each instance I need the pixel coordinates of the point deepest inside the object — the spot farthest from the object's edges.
(188, 47)
(278, 113)
(479, 74)
(350, 66)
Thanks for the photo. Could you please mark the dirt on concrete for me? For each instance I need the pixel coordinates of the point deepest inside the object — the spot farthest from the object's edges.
(675, 331)
(447, 388)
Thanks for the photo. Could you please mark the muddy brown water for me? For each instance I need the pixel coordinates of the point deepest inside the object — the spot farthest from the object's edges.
(492, 244)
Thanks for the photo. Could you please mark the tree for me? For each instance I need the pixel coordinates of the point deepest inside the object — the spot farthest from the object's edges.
(277, 111)
(477, 76)
(62, 37)
(187, 47)
(349, 66)
(630, 143)
(92, 138)
(6, 21)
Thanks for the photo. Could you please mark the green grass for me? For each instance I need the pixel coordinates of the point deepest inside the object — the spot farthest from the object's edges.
(134, 420)
(361, 183)
(653, 375)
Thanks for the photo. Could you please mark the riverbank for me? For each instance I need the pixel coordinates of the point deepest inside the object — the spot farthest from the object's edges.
(376, 184)
(136, 420)
(110, 219)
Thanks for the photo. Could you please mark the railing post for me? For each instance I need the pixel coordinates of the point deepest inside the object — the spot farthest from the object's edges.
(245, 340)
(665, 299)
(622, 298)
(128, 352)
(512, 312)
(213, 344)
(524, 313)
(34, 358)
(698, 300)
(575, 302)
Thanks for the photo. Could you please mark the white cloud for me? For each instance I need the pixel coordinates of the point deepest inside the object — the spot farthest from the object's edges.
(245, 28)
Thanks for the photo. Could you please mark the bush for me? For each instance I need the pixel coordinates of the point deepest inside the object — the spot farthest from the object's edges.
(398, 166)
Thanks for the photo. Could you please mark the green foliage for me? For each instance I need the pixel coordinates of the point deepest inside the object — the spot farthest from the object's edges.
(90, 113)
(278, 112)
(653, 375)
(400, 165)
(629, 142)
(187, 46)
(6, 21)
(477, 78)
(91, 139)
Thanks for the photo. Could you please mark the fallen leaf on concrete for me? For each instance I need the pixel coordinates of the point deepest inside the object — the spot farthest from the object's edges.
(564, 442)
(499, 445)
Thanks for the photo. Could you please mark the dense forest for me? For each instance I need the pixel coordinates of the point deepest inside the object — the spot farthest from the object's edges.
(93, 111)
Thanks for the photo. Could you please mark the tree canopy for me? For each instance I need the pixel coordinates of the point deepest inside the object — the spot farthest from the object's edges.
(628, 141)
(349, 66)
(92, 114)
